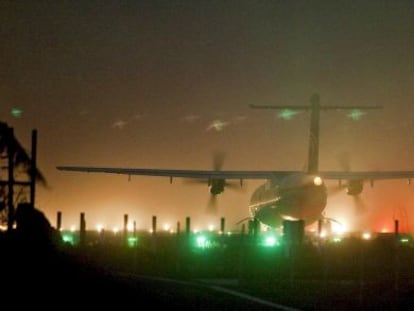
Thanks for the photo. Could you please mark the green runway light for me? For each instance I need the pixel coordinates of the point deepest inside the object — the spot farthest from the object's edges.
(68, 238)
(336, 240)
(202, 241)
(270, 241)
(16, 112)
(132, 241)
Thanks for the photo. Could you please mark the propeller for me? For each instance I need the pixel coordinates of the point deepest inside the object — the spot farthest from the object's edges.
(359, 204)
(212, 204)
(344, 161)
(218, 160)
(354, 188)
(216, 186)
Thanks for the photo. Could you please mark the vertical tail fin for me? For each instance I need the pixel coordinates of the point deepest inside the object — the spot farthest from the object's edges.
(315, 108)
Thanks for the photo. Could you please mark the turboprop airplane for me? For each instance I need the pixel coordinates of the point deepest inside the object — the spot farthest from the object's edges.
(285, 195)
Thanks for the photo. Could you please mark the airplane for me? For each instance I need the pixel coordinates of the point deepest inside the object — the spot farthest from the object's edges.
(286, 195)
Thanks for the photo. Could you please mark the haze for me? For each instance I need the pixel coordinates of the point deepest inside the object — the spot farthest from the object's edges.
(165, 84)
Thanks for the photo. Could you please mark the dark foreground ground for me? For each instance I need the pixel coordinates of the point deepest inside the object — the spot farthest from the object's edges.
(65, 281)
(234, 275)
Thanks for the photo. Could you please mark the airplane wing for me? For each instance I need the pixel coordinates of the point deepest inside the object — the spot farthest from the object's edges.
(366, 175)
(244, 174)
(201, 174)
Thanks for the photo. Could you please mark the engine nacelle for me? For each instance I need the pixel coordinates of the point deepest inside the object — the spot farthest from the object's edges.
(355, 187)
(217, 186)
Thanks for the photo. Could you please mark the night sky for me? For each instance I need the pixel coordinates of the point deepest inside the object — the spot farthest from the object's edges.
(140, 83)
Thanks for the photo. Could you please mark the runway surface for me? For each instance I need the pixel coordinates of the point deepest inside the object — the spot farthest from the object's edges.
(54, 283)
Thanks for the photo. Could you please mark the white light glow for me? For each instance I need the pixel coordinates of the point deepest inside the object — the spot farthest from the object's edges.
(366, 235)
(317, 181)
(338, 228)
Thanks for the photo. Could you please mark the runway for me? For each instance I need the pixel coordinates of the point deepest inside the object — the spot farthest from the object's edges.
(197, 294)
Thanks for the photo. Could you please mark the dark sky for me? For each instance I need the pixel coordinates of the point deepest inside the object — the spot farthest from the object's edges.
(137, 84)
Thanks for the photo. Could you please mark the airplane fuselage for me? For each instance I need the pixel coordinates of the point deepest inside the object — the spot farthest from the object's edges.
(300, 196)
